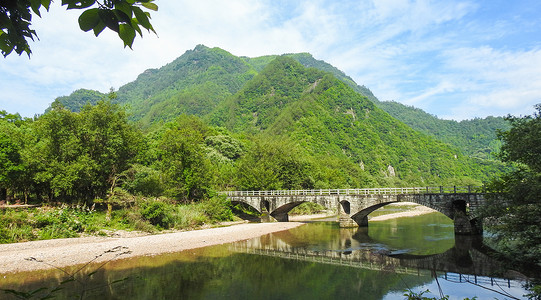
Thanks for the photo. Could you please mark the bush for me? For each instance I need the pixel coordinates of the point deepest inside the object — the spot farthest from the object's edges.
(142, 180)
(218, 208)
(189, 216)
(19, 226)
(15, 226)
(157, 213)
(148, 216)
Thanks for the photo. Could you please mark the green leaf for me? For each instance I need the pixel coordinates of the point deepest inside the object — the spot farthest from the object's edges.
(89, 19)
(35, 5)
(46, 4)
(109, 18)
(150, 6)
(122, 17)
(135, 25)
(142, 18)
(125, 8)
(127, 34)
(4, 46)
(99, 28)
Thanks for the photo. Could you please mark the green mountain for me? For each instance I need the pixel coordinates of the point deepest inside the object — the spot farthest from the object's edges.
(193, 84)
(310, 102)
(199, 80)
(327, 117)
(78, 99)
(476, 138)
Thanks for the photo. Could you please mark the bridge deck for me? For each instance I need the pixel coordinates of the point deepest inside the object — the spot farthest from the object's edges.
(365, 191)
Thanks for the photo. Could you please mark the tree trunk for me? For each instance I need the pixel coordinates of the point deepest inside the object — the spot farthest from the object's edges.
(109, 211)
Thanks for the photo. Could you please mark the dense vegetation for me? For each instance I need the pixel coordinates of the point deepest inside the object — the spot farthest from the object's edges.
(476, 138)
(325, 116)
(201, 79)
(515, 205)
(211, 121)
(102, 172)
(146, 215)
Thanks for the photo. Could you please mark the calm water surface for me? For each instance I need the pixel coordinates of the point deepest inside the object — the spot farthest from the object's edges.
(315, 261)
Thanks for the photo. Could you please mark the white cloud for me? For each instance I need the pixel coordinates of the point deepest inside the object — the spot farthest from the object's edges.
(441, 88)
(497, 80)
(429, 53)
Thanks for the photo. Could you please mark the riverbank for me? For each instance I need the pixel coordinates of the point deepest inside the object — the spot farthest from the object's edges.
(60, 253)
(413, 210)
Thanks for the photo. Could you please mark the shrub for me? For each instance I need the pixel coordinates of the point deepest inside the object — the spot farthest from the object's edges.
(142, 180)
(218, 208)
(157, 213)
(189, 216)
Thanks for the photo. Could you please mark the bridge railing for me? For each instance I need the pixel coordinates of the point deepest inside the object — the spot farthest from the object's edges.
(365, 191)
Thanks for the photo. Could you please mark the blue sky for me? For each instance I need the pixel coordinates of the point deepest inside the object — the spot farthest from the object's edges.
(454, 59)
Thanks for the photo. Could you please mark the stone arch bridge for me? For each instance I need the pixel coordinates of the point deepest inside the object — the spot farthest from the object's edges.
(460, 204)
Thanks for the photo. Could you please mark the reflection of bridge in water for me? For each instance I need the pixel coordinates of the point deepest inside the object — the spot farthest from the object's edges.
(466, 261)
(379, 262)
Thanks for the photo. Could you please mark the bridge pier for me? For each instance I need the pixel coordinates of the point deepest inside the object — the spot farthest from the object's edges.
(283, 217)
(465, 226)
(267, 218)
(346, 221)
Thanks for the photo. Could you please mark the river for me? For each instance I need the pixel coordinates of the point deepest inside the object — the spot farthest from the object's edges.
(314, 261)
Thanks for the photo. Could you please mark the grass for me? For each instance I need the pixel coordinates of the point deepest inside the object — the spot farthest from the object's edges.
(148, 215)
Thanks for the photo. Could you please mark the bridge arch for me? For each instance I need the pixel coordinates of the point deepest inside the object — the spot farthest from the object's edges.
(281, 213)
(361, 217)
(346, 206)
(246, 205)
(265, 205)
(435, 204)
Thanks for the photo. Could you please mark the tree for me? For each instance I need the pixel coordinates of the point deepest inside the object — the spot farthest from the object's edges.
(516, 200)
(125, 17)
(273, 163)
(81, 155)
(10, 158)
(183, 161)
(111, 143)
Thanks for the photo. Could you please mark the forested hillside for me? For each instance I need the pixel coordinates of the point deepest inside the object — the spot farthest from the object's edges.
(202, 78)
(476, 138)
(78, 99)
(331, 124)
(326, 118)
(192, 84)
